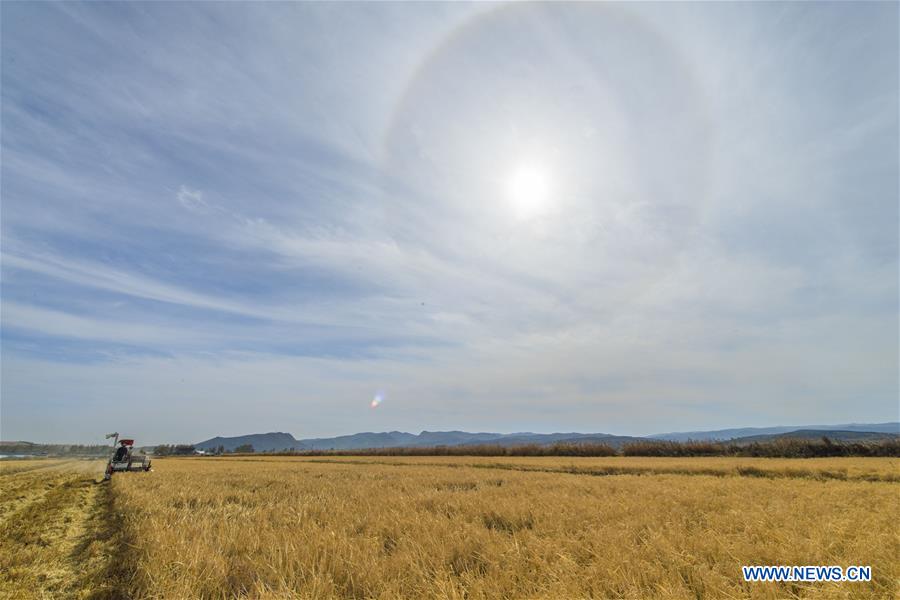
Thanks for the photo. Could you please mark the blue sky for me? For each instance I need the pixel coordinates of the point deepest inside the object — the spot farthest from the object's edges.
(224, 218)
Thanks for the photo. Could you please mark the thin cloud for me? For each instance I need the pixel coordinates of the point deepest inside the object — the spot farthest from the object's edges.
(290, 206)
(191, 199)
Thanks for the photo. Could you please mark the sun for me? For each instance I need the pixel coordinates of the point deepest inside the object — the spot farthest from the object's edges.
(528, 191)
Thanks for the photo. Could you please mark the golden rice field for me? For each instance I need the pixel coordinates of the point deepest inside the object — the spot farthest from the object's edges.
(448, 527)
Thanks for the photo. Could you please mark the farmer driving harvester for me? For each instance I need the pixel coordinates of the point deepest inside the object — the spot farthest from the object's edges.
(124, 460)
(122, 452)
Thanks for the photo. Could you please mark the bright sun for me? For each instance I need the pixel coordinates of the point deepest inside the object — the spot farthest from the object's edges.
(528, 188)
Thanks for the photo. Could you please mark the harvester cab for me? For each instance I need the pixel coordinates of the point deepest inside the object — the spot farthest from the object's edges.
(124, 459)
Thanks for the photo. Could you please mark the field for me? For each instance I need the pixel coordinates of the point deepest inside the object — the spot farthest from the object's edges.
(447, 527)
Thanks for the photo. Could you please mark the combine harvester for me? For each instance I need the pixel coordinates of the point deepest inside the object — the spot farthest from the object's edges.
(124, 459)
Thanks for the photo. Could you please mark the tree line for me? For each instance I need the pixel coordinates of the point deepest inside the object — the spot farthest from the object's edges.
(188, 449)
(31, 449)
(780, 448)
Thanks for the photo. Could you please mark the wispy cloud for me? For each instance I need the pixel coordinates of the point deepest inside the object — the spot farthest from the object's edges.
(208, 207)
(191, 199)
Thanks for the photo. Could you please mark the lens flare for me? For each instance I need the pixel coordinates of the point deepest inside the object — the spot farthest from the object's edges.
(378, 399)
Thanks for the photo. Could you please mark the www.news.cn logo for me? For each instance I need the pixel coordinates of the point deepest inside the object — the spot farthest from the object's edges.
(807, 573)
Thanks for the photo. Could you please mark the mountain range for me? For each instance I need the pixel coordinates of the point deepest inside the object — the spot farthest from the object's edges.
(743, 432)
(274, 441)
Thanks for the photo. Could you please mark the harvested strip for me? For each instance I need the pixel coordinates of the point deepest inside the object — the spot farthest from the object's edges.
(57, 535)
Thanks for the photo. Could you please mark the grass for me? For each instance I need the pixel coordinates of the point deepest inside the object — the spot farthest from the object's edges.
(447, 527)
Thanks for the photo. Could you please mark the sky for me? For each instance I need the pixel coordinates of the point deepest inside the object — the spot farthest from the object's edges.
(231, 218)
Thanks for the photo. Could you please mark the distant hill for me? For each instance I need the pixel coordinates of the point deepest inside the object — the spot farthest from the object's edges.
(367, 439)
(818, 434)
(261, 442)
(427, 439)
(615, 441)
(399, 438)
(728, 434)
(269, 442)
(455, 438)
(545, 439)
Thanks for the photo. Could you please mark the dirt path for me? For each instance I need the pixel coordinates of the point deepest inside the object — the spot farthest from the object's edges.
(58, 532)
